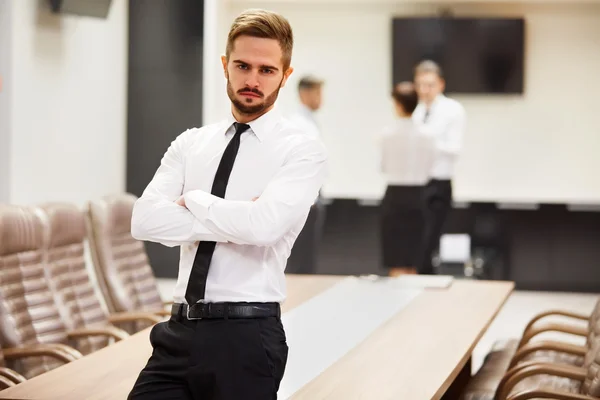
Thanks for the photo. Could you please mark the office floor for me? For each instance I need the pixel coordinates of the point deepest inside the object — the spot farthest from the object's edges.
(511, 320)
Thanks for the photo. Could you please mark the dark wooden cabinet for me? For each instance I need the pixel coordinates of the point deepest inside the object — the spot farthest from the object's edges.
(548, 248)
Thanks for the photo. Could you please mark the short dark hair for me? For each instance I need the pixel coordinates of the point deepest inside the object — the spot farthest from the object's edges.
(429, 66)
(309, 82)
(405, 95)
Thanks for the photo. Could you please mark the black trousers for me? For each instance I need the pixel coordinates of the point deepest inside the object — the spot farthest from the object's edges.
(437, 197)
(402, 226)
(214, 359)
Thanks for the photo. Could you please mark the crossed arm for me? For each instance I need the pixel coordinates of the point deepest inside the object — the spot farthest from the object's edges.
(166, 215)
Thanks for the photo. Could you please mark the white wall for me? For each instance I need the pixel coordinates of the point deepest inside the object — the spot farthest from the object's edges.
(5, 51)
(216, 24)
(539, 147)
(68, 88)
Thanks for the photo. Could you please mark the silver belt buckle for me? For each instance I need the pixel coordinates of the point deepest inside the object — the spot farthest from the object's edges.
(188, 314)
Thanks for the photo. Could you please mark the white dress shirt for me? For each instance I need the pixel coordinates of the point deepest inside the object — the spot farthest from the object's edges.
(446, 123)
(407, 154)
(276, 162)
(306, 120)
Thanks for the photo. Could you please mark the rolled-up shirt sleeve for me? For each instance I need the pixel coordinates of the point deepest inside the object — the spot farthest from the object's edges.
(156, 217)
(286, 199)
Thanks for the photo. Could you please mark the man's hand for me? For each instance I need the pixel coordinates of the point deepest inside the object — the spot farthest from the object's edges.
(180, 201)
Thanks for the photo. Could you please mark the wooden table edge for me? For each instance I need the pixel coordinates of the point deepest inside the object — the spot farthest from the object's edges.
(454, 374)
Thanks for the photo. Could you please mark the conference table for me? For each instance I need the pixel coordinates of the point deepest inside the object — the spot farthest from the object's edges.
(417, 347)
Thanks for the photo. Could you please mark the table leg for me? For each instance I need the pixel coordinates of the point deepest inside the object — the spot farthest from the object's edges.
(459, 384)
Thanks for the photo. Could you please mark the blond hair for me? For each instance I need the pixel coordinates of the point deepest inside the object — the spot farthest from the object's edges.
(263, 24)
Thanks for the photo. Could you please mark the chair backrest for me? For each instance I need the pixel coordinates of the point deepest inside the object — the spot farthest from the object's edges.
(121, 262)
(28, 312)
(68, 275)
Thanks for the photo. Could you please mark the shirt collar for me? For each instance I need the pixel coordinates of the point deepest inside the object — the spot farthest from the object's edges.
(305, 110)
(422, 107)
(263, 125)
(439, 98)
(308, 113)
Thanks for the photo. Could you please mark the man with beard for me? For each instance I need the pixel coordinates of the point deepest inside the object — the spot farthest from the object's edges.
(234, 196)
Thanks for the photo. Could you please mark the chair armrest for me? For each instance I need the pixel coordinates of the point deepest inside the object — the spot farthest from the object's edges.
(132, 316)
(110, 331)
(529, 348)
(517, 368)
(520, 366)
(548, 394)
(552, 313)
(11, 375)
(564, 371)
(161, 313)
(59, 351)
(553, 327)
(5, 383)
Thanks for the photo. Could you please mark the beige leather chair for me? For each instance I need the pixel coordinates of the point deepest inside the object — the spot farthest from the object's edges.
(554, 381)
(32, 332)
(69, 278)
(556, 351)
(508, 355)
(534, 327)
(121, 262)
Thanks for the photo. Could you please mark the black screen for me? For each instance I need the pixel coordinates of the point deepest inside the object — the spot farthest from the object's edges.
(88, 8)
(477, 55)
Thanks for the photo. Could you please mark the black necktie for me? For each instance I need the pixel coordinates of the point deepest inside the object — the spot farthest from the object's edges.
(426, 117)
(197, 283)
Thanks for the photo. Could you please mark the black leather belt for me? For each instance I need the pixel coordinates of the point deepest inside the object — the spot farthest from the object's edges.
(226, 310)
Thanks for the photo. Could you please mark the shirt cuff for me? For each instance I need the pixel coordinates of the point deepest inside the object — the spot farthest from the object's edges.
(198, 202)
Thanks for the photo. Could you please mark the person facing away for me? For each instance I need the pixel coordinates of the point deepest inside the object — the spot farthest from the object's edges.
(234, 196)
(444, 119)
(304, 256)
(406, 159)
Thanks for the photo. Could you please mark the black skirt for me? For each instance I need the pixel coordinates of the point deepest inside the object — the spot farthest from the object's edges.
(402, 226)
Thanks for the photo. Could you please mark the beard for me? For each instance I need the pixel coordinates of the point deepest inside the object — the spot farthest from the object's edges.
(251, 109)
